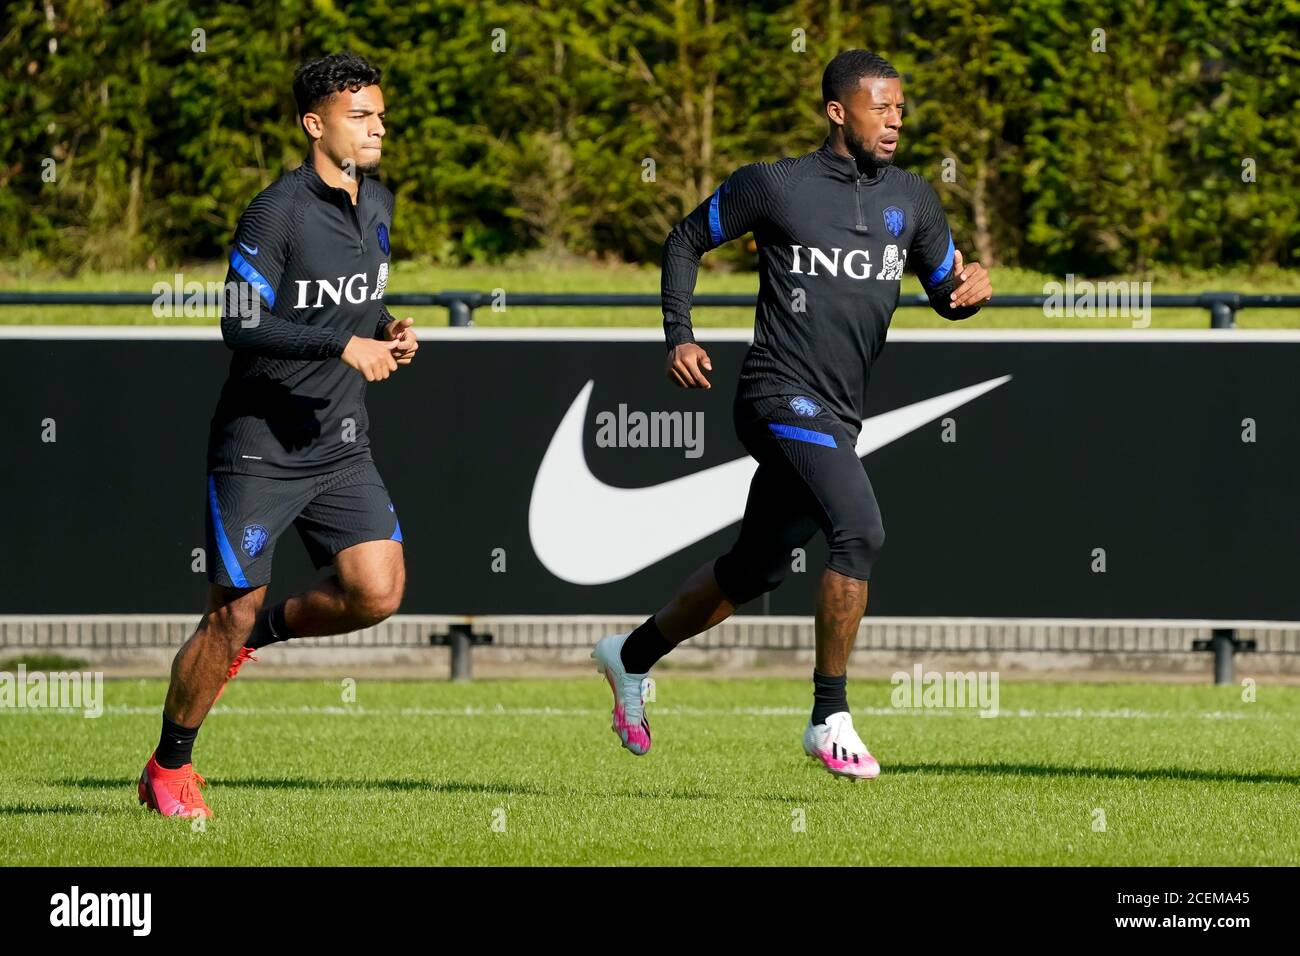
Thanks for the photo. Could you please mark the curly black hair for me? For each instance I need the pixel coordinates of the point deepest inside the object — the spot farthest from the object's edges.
(317, 81)
(843, 73)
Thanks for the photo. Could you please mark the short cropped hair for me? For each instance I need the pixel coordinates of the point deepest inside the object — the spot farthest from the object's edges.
(845, 71)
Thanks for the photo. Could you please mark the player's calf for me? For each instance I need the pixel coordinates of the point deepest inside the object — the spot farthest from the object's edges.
(230, 618)
(201, 666)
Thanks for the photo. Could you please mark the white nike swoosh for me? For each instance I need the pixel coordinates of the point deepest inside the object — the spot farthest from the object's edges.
(251, 251)
(587, 532)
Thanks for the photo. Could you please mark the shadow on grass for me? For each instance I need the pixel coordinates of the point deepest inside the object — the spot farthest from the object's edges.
(1110, 773)
(302, 783)
(62, 808)
(526, 790)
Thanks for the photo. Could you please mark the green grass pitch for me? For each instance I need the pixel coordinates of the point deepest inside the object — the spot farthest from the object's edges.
(528, 772)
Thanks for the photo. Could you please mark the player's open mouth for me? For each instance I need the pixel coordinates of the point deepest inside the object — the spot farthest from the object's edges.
(888, 145)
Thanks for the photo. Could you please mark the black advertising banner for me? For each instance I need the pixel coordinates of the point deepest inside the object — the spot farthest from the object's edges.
(1091, 475)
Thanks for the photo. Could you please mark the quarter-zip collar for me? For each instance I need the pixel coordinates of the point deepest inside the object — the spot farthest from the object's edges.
(338, 196)
(846, 167)
(334, 194)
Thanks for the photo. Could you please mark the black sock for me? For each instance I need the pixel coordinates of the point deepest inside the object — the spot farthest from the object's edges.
(270, 628)
(829, 696)
(644, 647)
(176, 745)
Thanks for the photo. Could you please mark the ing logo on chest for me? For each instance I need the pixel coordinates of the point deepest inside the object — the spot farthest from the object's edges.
(354, 289)
(855, 264)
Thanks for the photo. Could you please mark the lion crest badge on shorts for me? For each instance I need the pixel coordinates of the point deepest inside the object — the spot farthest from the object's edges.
(895, 221)
(254, 540)
(805, 406)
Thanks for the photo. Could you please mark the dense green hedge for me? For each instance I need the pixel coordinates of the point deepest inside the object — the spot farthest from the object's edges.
(1062, 157)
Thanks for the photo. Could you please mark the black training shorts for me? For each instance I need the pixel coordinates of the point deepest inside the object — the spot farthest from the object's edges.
(331, 511)
(809, 479)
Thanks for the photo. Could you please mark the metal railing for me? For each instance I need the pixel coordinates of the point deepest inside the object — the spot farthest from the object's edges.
(1223, 643)
(1143, 639)
(460, 305)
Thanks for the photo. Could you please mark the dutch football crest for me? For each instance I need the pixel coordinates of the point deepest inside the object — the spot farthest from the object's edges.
(805, 406)
(254, 540)
(895, 222)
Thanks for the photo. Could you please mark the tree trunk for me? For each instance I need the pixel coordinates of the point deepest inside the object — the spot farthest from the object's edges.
(985, 250)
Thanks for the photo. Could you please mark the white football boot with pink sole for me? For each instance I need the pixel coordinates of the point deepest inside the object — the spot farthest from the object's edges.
(629, 720)
(837, 745)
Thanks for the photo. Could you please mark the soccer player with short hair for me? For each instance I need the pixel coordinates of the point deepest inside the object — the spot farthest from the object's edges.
(304, 314)
(834, 229)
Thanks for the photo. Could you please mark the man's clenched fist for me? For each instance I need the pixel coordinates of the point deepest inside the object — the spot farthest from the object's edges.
(400, 331)
(371, 357)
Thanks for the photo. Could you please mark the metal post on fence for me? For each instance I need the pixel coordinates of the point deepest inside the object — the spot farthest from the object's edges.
(1224, 644)
(460, 312)
(461, 638)
(460, 652)
(1223, 309)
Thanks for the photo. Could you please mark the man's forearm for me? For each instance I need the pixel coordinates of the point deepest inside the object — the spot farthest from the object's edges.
(681, 268)
(278, 338)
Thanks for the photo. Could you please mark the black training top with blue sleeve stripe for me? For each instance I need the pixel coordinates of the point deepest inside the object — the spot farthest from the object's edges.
(307, 272)
(832, 246)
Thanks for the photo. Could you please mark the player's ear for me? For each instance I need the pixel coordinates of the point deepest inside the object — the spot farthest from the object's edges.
(313, 125)
(835, 112)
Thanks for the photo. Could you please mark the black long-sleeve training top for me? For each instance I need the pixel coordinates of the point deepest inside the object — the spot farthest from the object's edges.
(832, 246)
(307, 272)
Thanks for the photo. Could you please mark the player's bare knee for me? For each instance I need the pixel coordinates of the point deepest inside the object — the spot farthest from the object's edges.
(386, 605)
(373, 603)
